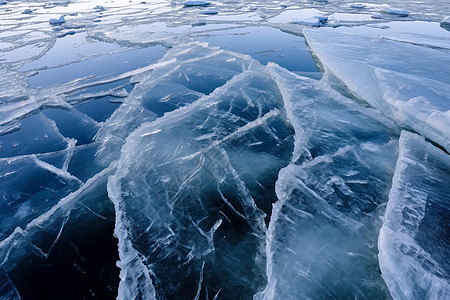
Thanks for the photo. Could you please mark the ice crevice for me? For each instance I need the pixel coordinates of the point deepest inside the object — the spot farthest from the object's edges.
(45, 253)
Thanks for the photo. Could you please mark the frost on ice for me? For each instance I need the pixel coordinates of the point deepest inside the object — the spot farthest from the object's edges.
(414, 239)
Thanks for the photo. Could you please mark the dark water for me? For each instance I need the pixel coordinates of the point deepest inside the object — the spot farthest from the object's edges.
(81, 265)
(265, 44)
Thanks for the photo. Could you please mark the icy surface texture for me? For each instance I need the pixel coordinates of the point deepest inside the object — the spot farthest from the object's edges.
(375, 64)
(115, 73)
(24, 193)
(177, 80)
(321, 240)
(58, 242)
(190, 205)
(414, 239)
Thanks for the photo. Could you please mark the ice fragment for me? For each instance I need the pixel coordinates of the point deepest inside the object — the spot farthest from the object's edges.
(58, 21)
(395, 11)
(196, 3)
(415, 96)
(321, 240)
(209, 12)
(357, 5)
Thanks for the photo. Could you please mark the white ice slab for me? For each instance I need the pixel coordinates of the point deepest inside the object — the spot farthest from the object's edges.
(402, 75)
(298, 15)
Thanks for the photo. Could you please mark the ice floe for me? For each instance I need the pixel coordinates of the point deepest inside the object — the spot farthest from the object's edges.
(309, 16)
(358, 5)
(395, 11)
(209, 12)
(378, 70)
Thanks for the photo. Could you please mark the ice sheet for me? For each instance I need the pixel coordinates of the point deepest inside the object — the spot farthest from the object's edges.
(60, 84)
(202, 194)
(321, 239)
(289, 51)
(24, 194)
(414, 241)
(380, 71)
(24, 139)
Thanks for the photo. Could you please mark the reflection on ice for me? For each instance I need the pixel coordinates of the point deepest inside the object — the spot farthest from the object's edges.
(70, 49)
(286, 50)
(111, 64)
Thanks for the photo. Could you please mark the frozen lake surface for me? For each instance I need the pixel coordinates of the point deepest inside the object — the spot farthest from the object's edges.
(235, 149)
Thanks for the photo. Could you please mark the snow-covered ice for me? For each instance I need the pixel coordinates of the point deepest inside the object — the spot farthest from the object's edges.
(358, 5)
(309, 16)
(395, 11)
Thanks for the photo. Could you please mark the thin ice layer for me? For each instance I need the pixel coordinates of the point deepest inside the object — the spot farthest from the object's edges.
(414, 239)
(405, 78)
(191, 188)
(321, 240)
